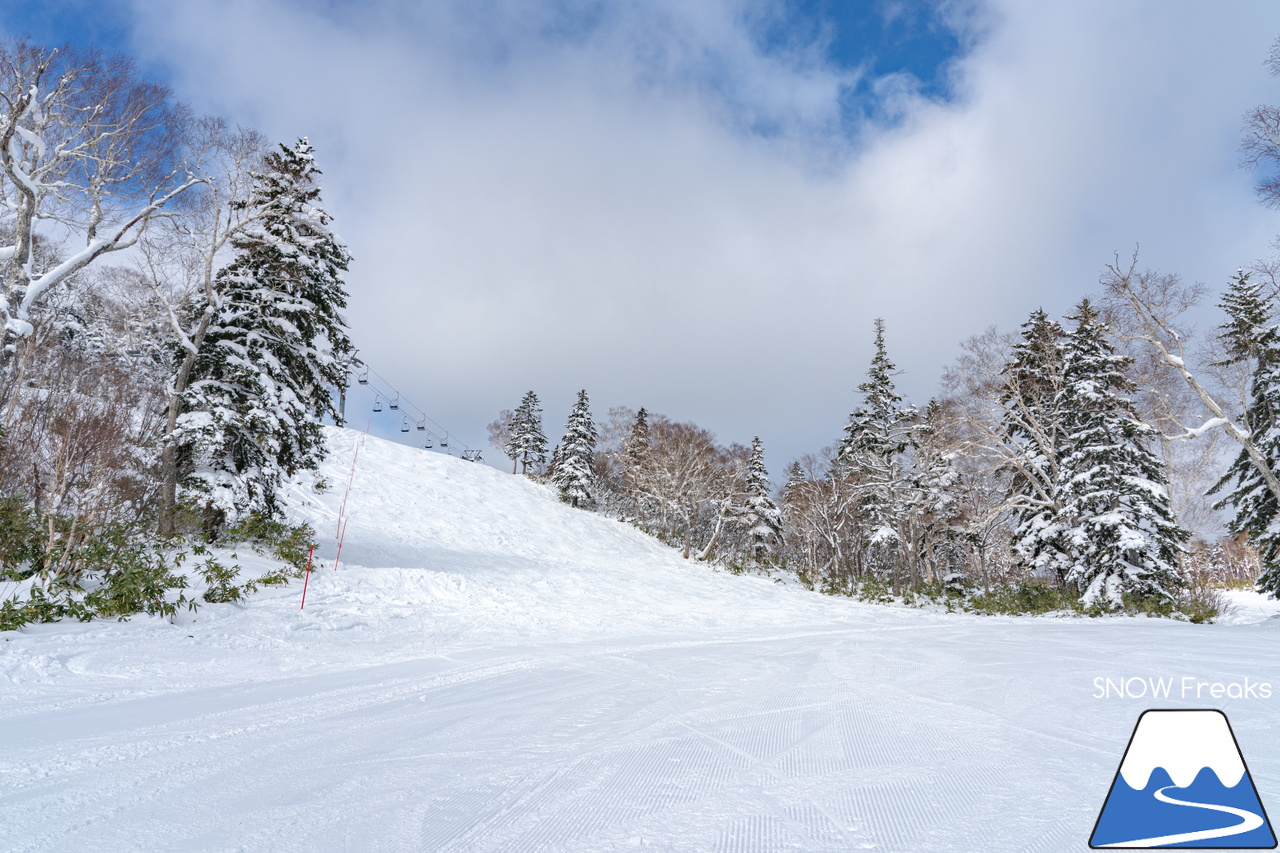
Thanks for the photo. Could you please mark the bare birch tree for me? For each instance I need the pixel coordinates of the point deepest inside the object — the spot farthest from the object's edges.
(89, 154)
(1149, 310)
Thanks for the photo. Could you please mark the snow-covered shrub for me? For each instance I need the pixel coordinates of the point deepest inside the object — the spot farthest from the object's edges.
(1030, 597)
(119, 573)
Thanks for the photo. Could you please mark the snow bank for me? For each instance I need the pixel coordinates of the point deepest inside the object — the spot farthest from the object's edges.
(470, 551)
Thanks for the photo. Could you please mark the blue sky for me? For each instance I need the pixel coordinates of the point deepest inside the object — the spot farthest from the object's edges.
(867, 39)
(700, 208)
(882, 37)
(80, 22)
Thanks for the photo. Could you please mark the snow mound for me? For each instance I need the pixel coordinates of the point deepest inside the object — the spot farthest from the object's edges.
(472, 551)
(407, 506)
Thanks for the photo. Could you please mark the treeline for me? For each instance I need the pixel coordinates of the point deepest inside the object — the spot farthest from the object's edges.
(1059, 467)
(672, 479)
(170, 293)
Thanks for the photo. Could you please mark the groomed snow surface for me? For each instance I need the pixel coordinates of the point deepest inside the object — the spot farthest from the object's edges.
(489, 669)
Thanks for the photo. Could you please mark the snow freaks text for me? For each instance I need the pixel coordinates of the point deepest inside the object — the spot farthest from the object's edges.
(1178, 687)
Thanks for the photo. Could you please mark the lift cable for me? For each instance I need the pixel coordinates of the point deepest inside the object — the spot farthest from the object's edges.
(383, 389)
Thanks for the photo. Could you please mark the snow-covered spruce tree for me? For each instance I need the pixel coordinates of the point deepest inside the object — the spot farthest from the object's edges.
(636, 449)
(635, 458)
(877, 435)
(798, 543)
(274, 351)
(934, 499)
(1033, 425)
(795, 478)
(1251, 337)
(1115, 518)
(574, 473)
(759, 517)
(527, 445)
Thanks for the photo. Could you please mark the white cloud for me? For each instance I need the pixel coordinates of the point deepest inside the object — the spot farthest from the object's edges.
(585, 210)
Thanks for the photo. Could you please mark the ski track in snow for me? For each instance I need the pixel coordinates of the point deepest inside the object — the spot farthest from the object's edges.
(498, 672)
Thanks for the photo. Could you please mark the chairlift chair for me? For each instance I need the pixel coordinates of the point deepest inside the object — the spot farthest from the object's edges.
(395, 404)
(377, 404)
(363, 378)
(444, 442)
(428, 445)
(422, 425)
(404, 425)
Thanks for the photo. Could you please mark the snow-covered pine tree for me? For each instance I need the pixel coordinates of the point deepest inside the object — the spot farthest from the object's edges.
(877, 435)
(1115, 517)
(795, 477)
(934, 500)
(574, 473)
(1033, 427)
(759, 516)
(1251, 337)
(527, 445)
(274, 352)
(636, 449)
(936, 478)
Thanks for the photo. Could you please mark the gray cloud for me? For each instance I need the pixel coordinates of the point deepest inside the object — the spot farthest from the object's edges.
(654, 209)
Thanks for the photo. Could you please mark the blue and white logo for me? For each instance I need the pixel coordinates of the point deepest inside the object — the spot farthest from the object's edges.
(1183, 783)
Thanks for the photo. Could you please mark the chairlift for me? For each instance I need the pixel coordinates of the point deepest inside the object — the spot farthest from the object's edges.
(404, 425)
(444, 442)
(422, 425)
(471, 455)
(395, 404)
(377, 403)
(363, 378)
(428, 445)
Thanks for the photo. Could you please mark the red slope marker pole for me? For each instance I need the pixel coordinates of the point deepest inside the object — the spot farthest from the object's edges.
(306, 578)
(341, 539)
(343, 518)
(342, 510)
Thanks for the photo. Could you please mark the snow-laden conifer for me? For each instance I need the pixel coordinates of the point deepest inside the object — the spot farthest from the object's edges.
(1251, 337)
(877, 434)
(795, 477)
(638, 443)
(759, 516)
(934, 499)
(636, 453)
(526, 444)
(1115, 519)
(276, 348)
(574, 473)
(1033, 425)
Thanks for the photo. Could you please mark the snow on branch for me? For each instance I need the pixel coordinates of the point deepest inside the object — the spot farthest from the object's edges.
(1207, 426)
(1154, 303)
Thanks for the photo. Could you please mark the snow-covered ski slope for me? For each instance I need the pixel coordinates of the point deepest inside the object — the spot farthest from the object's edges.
(489, 670)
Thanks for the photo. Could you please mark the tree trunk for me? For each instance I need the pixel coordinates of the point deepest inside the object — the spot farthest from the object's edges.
(167, 527)
(715, 535)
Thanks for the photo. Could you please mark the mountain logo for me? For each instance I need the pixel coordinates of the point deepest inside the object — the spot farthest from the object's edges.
(1183, 783)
